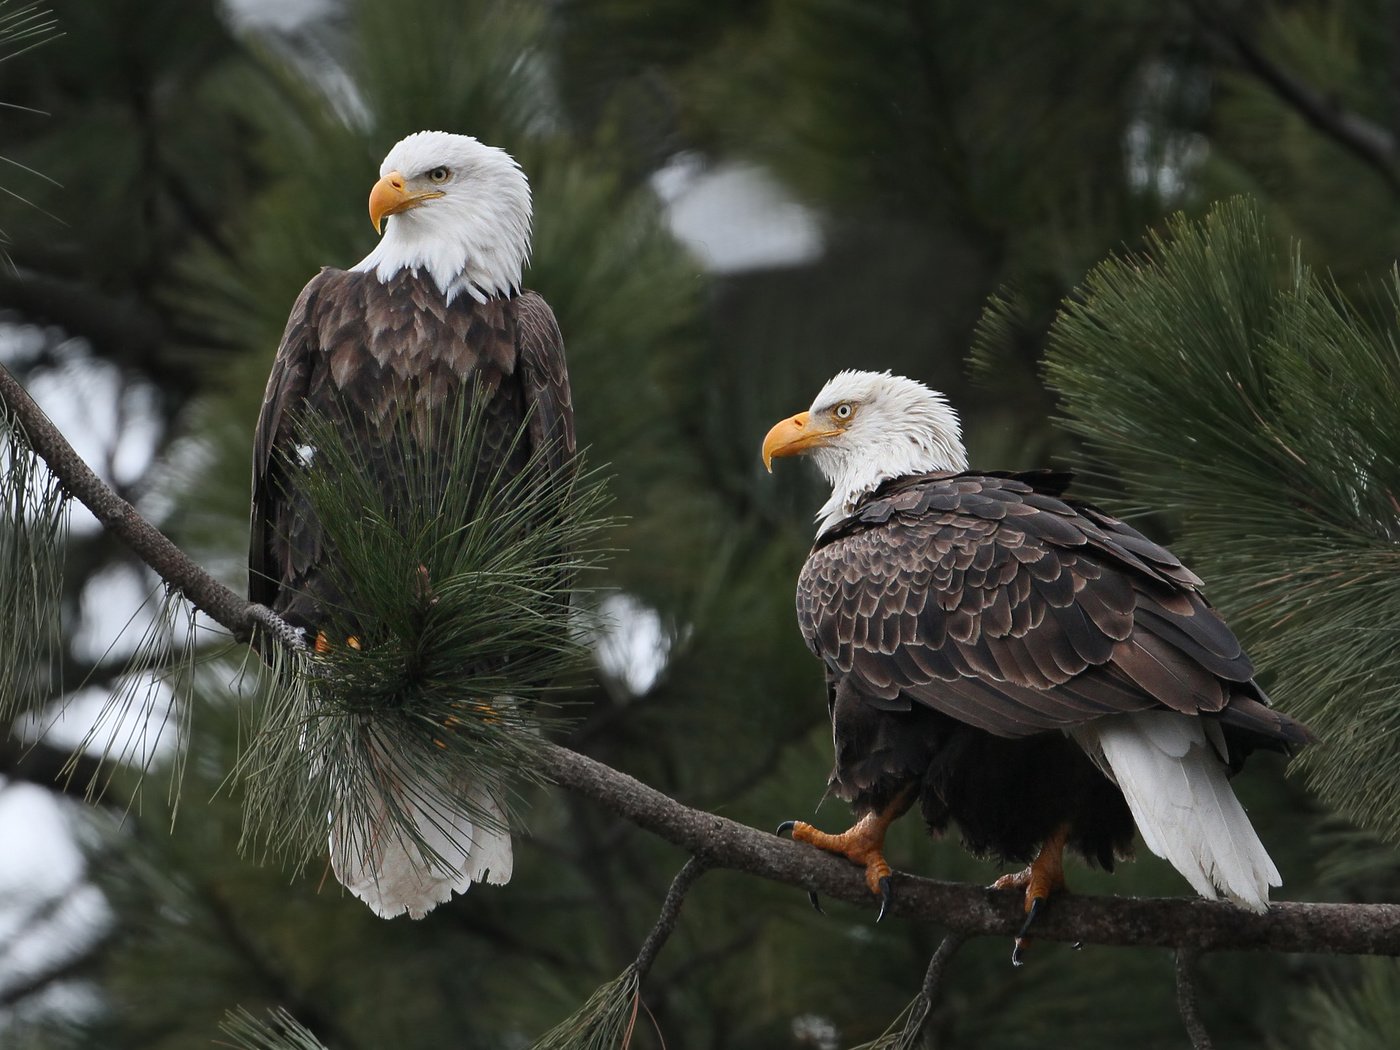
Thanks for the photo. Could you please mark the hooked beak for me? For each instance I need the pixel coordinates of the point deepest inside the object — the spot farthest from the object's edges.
(391, 195)
(792, 437)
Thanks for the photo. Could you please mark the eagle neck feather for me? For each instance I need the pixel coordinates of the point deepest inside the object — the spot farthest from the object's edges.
(854, 478)
(477, 249)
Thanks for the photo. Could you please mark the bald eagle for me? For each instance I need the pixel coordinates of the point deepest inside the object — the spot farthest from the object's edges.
(1021, 665)
(433, 319)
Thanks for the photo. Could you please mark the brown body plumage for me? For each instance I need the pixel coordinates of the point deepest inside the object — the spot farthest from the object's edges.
(385, 360)
(965, 620)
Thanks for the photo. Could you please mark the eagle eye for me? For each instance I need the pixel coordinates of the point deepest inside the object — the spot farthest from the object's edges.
(438, 174)
(845, 410)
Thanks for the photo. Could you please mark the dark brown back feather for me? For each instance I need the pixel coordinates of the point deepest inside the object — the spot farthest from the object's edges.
(381, 359)
(996, 602)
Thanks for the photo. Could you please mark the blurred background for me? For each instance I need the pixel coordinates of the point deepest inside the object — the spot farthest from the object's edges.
(734, 200)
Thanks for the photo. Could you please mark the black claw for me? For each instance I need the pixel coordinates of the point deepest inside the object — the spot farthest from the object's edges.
(886, 896)
(1018, 952)
(786, 825)
(816, 904)
(1036, 904)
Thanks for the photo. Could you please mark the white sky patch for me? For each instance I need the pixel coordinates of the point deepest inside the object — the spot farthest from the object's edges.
(279, 16)
(118, 606)
(110, 421)
(632, 645)
(47, 911)
(1159, 157)
(735, 216)
(815, 1031)
(135, 722)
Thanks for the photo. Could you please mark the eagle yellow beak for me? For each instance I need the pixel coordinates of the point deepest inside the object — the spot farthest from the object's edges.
(792, 437)
(391, 195)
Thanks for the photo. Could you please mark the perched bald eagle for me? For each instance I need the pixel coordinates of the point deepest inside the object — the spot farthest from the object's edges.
(388, 351)
(1022, 665)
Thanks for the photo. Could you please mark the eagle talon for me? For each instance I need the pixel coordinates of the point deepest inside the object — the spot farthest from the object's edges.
(886, 896)
(1032, 913)
(1018, 950)
(786, 825)
(816, 904)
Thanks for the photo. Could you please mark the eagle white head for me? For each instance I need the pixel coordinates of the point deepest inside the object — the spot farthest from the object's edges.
(865, 428)
(455, 208)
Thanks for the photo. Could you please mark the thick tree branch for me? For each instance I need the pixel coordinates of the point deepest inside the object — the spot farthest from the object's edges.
(1369, 141)
(1349, 929)
(1346, 929)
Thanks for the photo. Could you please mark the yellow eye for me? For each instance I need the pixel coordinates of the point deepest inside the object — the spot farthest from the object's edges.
(439, 175)
(844, 410)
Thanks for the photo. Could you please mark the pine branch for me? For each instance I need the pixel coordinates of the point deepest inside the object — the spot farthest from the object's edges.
(1186, 999)
(670, 914)
(1344, 929)
(1347, 929)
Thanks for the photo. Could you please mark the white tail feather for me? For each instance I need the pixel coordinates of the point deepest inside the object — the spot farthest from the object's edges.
(1175, 784)
(390, 870)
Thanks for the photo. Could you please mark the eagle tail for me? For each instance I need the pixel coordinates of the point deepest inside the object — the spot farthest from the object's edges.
(395, 870)
(1174, 777)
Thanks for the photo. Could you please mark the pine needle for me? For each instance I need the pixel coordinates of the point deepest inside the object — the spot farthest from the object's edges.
(153, 689)
(33, 539)
(280, 1032)
(605, 1022)
(905, 1031)
(1360, 1011)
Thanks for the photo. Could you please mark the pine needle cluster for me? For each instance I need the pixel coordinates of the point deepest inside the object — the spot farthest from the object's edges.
(33, 539)
(1235, 392)
(605, 1022)
(454, 629)
(280, 1031)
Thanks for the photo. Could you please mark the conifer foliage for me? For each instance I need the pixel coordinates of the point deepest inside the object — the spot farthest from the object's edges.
(1235, 390)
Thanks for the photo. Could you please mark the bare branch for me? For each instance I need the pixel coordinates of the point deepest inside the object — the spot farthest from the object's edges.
(1369, 141)
(670, 912)
(1186, 999)
(938, 965)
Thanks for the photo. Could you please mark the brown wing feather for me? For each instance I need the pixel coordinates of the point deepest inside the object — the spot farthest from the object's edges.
(546, 380)
(1014, 611)
(287, 387)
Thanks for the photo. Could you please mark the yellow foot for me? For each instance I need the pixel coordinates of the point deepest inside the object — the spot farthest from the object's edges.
(1044, 878)
(863, 844)
(324, 645)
